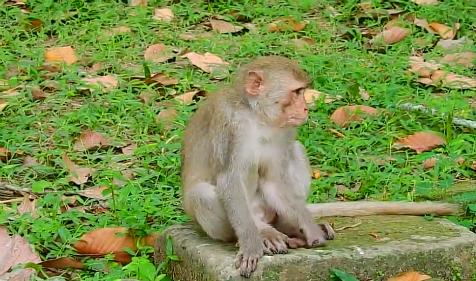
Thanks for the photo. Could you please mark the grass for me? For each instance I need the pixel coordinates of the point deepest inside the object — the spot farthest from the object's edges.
(338, 63)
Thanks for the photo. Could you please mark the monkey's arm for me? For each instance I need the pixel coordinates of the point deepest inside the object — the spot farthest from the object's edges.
(362, 208)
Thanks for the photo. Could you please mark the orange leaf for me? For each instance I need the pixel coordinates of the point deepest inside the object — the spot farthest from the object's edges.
(409, 276)
(390, 36)
(61, 54)
(207, 62)
(158, 53)
(224, 27)
(5, 154)
(445, 31)
(164, 14)
(420, 141)
(76, 174)
(429, 163)
(90, 140)
(286, 24)
(105, 241)
(344, 114)
(63, 263)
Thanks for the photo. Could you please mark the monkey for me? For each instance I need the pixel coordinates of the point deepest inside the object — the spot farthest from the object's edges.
(246, 178)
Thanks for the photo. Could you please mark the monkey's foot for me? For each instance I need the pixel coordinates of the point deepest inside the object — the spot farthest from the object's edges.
(328, 230)
(274, 241)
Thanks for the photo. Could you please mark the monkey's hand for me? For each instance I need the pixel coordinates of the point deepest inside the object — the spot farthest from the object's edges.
(249, 254)
(328, 230)
(274, 241)
(315, 235)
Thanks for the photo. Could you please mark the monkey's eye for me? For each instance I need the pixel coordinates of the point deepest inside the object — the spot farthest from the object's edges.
(300, 92)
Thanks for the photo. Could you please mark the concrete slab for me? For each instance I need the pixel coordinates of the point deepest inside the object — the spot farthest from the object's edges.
(378, 248)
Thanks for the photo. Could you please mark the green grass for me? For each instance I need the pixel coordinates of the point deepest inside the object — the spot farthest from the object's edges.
(338, 65)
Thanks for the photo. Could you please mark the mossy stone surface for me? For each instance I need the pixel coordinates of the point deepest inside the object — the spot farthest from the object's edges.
(373, 248)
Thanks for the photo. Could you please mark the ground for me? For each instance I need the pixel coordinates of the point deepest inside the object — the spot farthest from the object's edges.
(65, 136)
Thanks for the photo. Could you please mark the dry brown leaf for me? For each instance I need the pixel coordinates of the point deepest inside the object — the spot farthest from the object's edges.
(15, 250)
(105, 241)
(409, 276)
(453, 81)
(76, 174)
(348, 113)
(187, 97)
(29, 162)
(224, 27)
(6, 154)
(27, 205)
(117, 30)
(445, 31)
(465, 59)
(188, 37)
(426, 2)
(364, 94)
(426, 81)
(3, 104)
(429, 163)
(164, 14)
(94, 192)
(207, 62)
(454, 44)
(420, 141)
(286, 24)
(138, 3)
(129, 150)
(375, 235)
(302, 42)
(316, 173)
(166, 115)
(423, 24)
(422, 68)
(311, 95)
(158, 53)
(60, 55)
(63, 263)
(390, 36)
(460, 160)
(90, 140)
(106, 83)
(38, 93)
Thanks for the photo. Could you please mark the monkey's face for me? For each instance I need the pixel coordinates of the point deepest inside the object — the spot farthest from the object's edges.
(293, 108)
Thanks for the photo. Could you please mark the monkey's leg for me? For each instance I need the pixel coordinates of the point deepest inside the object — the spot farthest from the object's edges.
(210, 213)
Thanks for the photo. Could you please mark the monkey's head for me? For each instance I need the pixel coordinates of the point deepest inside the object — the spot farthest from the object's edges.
(274, 88)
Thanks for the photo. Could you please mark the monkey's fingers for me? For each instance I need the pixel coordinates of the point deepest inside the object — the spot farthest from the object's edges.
(247, 264)
(328, 230)
(268, 247)
(295, 243)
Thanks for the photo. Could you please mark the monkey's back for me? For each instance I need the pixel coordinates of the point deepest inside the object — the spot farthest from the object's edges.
(206, 140)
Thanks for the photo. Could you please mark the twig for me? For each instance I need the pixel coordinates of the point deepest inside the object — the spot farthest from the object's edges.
(348, 226)
(457, 121)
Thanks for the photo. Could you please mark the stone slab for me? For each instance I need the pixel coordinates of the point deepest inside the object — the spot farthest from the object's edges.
(378, 248)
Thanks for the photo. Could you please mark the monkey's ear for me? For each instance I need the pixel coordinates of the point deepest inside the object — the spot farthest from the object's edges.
(254, 82)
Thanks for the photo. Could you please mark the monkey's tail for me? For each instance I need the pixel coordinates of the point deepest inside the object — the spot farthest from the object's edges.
(363, 208)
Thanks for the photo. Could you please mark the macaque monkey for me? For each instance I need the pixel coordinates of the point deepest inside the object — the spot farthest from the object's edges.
(245, 177)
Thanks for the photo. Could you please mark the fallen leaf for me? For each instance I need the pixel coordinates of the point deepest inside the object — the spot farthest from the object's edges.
(311, 95)
(29, 162)
(348, 113)
(337, 133)
(341, 189)
(90, 140)
(426, 2)
(453, 81)
(188, 37)
(422, 68)
(94, 192)
(27, 205)
(3, 104)
(105, 241)
(129, 150)
(224, 27)
(409, 276)
(375, 235)
(63, 263)
(465, 59)
(187, 97)
(429, 163)
(166, 115)
(420, 141)
(207, 62)
(426, 81)
(15, 250)
(316, 173)
(60, 55)
(302, 42)
(423, 24)
(117, 30)
(164, 14)
(460, 160)
(106, 83)
(76, 174)
(453, 44)
(364, 94)
(286, 24)
(38, 93)
(445, 31)
(6, 154)
(390, 36)
(158, 53)
(138, 3)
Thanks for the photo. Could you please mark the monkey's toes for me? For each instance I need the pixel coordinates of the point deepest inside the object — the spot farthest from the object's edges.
(247, 265)
(328, 231)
